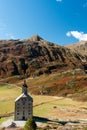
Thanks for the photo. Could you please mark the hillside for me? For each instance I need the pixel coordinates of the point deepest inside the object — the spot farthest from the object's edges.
(80, 47)
(71, 83)
(35, 56)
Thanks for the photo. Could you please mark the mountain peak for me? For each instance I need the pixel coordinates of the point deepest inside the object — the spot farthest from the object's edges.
(35, 38)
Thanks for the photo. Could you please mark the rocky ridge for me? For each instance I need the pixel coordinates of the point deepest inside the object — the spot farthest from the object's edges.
(35, 56)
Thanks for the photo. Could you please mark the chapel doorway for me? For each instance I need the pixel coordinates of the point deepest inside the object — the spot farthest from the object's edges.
(23, 118)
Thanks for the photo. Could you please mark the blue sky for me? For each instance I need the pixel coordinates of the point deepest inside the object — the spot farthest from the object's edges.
(58, 21)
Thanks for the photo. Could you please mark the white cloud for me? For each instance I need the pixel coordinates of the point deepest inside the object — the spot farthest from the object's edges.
(81, 36)
(58, 0)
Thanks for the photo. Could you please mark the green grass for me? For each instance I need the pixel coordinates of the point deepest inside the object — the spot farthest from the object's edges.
(6, 118)
(8, 94)
(43, 105)
(48, 102)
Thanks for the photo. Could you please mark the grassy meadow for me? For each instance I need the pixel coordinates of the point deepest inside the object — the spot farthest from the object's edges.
(8, 95)
(44, 106)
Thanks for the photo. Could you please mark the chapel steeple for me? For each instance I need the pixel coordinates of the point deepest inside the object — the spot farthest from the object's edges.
(24, 87)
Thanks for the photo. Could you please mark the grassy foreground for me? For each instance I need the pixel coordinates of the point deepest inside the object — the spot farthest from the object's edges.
(44, 106)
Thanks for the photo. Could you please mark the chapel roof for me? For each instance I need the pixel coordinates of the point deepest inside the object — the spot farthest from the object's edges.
(24, 96)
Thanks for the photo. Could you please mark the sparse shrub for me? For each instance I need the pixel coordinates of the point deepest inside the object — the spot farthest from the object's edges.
(30, 124)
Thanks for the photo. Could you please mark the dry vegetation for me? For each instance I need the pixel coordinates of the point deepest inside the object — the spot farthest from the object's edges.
(71, 83)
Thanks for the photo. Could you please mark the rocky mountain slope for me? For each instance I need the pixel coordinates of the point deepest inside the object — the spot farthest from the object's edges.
(35, 56)
(80, 47)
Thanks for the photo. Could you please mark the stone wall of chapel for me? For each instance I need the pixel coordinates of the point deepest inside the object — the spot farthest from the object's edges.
(23, 109)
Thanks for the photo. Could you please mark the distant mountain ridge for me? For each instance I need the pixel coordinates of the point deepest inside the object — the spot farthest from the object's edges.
(80, 47)
(35, 56)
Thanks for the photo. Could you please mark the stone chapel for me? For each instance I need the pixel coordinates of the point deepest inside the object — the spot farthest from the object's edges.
(23, 105)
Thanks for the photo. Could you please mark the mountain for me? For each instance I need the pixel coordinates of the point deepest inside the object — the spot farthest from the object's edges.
(80, 47)
(35, 56)
(35, 38)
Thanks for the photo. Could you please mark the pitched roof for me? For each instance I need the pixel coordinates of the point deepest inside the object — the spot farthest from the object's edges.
(24, 96)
